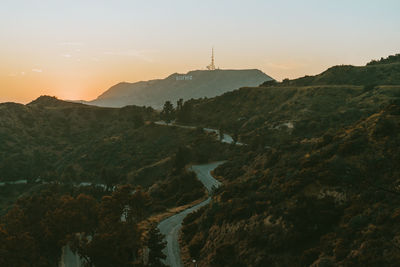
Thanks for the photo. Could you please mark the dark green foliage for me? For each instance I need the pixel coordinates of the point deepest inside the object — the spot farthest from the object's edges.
(307, 202)
(389, 60)
(168, 112)
(156, 245)
(177, 189)
(268, 83)
(369, 87)
(182, 157)
(184, 112)
(225, 255)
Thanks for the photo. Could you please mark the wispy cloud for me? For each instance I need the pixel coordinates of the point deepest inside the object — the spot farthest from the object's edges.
(17, 74)
(37, 70)
(140, 54)
(67, 55)
(71, 44)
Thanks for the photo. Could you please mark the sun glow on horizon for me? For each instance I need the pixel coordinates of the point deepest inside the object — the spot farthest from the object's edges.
(78, 49)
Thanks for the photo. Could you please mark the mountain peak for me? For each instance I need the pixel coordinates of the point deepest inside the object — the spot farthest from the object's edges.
(193, 84)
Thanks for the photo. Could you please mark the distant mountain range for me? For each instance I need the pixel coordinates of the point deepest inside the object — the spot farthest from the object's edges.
(194, 84)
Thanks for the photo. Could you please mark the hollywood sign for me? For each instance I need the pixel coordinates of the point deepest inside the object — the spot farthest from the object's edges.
(184, 78)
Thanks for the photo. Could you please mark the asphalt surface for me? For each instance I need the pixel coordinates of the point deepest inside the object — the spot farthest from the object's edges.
(171, 226)
(70, 259)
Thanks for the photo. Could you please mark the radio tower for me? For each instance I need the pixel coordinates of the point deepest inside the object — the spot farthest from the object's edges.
(211, 66)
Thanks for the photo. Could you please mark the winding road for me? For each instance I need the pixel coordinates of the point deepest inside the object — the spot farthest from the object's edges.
(170, 227)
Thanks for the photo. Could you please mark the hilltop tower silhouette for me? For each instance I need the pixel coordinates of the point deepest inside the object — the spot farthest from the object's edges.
(212, 65)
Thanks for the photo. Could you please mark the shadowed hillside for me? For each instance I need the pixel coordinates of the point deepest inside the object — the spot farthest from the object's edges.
(194, 84)
(272, 114)
(333, 201)
(318, 183)
(52, 139)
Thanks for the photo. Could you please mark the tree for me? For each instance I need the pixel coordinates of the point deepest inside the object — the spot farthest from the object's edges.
(179, 105)
(269, 83)
(182, 157)
(110, 178)
(369, 87)
(167, 114)
(235, 137)
(116, 240)
(221, 133)
(156, 245)
(184, 112)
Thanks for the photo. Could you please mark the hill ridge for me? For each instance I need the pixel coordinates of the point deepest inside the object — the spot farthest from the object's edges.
(192, 84)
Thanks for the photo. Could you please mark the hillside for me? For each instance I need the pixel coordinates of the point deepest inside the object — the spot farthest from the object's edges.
(57, 141)
(386, 71)
(271, 115)
(53, 139)
(105, 173)
(317, 184)
(333, 201)
(194, 84)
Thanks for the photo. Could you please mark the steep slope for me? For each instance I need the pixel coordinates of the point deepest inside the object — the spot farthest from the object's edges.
(194, 84)
(318, 184)
(270, 115)
(332, 202)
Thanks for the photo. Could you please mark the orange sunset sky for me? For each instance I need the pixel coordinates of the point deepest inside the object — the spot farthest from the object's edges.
(78, 49)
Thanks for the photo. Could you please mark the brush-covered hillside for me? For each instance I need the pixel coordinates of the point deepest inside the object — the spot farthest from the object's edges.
(49, 140)
(331, 201)
(278, 114)
(93, 179)
(317, 183)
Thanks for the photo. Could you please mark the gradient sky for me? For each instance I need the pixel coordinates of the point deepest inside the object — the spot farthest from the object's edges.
(77, 49)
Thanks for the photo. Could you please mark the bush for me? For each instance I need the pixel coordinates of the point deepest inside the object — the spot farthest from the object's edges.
(195, 245)
(369, 87)
(358, 221)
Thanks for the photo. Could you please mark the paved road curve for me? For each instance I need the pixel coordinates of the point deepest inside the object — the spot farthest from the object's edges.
(170, 227)
(226, 138)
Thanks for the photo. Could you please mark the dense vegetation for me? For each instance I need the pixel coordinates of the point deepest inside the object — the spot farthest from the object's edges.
(316, 186)
(56, 145)
(52, 140)
(102, 227)
(388, 60)
(332, 200)
(273, 114)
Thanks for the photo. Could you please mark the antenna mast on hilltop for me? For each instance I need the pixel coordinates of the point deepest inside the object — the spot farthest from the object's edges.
(211, 66)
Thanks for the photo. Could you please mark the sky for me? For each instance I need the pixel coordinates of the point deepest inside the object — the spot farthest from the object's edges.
(77, 49)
